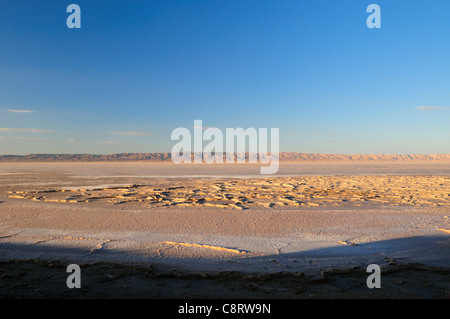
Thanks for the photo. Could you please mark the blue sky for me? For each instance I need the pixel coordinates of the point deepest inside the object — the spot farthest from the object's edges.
(136, 70)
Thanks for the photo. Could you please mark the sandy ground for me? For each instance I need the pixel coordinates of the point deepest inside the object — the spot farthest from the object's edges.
(216, 231)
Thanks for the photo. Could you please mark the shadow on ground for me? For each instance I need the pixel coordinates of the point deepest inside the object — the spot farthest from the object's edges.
(38, 276)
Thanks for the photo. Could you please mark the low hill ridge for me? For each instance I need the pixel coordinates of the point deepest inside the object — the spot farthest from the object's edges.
(284, 157)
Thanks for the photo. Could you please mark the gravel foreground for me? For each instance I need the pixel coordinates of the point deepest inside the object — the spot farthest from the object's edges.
(35, 279)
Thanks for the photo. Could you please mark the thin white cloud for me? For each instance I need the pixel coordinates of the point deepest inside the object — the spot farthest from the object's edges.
(431, 108)
(21, 111)
(129, 133)
(26, 130)
(17, 138)
(113, 143)
(42, 139)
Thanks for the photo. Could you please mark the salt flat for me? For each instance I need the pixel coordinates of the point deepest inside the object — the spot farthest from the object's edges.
(95, 170)
(203, 218)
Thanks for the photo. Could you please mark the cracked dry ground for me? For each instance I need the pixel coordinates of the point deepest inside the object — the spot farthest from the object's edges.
(281, 192)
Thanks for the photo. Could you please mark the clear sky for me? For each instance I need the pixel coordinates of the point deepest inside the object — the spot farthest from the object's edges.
(136, 70)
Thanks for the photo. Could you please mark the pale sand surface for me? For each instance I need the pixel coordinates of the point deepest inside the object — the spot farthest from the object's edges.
(136, 170)
(208, 219)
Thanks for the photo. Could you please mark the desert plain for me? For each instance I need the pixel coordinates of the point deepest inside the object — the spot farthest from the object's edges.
(160, 230)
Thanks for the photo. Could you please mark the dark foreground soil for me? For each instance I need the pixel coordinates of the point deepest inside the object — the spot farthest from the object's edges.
(47, 279)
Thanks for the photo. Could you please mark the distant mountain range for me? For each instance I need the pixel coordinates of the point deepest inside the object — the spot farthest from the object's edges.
(285, 157)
